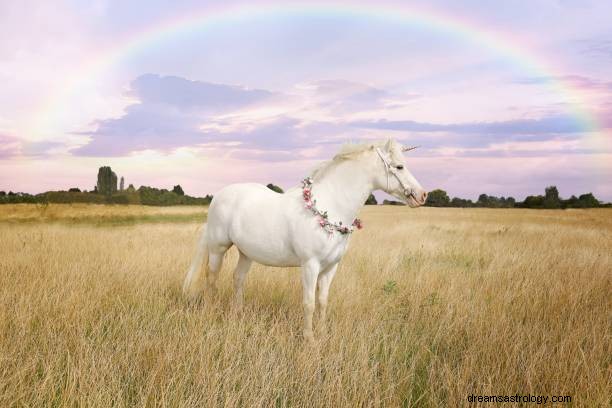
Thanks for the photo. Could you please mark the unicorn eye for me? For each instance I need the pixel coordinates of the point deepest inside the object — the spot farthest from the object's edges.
(399, 167)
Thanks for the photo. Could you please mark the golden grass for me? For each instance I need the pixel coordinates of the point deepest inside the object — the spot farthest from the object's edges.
(99, 214)
(429, 306)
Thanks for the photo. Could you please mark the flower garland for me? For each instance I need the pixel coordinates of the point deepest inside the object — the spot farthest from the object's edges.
(324, 222)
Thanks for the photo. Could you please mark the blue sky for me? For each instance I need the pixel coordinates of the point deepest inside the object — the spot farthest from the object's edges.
(264, 97)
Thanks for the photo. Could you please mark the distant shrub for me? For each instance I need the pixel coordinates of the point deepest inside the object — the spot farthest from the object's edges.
(276, 188)
(392, 202)
(178, 190)
(163, 197)
(437, 198)
(371, 200)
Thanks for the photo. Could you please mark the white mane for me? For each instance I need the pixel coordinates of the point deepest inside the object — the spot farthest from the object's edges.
(347, 151)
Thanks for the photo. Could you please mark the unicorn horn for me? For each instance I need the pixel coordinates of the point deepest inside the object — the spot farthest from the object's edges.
(407, 149)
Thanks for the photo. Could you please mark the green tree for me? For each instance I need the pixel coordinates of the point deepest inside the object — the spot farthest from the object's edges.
(551, 198)
(461, 202)
(483, 201)
(437, 198)
(107, 181)
(178, 190)
(533, 201)
(276, 188)
(371, 200)
(588, 201)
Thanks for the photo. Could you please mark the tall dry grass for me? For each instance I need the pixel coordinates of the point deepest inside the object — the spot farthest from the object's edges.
(429, 306)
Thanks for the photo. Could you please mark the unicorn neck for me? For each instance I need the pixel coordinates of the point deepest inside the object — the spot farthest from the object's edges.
(342, 191)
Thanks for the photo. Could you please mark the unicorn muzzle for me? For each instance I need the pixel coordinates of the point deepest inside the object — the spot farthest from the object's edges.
(419, 197)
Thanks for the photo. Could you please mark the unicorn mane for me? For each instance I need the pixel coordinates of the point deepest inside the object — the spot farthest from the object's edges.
(347, 151)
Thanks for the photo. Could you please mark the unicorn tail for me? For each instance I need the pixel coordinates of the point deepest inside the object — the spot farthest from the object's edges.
(190, 286)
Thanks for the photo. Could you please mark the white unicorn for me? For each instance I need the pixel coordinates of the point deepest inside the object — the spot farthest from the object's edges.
(307, 227)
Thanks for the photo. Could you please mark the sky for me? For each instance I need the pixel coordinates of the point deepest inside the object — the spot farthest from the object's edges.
(503, 98)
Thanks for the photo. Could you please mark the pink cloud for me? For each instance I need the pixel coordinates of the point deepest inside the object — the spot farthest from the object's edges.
(9, 146)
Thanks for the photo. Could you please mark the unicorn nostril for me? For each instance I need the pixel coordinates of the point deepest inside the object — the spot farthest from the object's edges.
(423, 196)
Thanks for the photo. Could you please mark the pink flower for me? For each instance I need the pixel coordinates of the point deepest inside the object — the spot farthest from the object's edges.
(357, 223)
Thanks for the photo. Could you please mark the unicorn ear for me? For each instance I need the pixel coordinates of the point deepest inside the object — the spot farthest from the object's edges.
(389, 145)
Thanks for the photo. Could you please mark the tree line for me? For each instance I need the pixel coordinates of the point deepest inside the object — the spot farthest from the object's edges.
(550, 200)
(144, 195)
(105, 192)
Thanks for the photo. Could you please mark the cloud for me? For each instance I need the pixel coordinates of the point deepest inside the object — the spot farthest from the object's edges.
(168, 115)
(187, 94)
(600, 47)
(143, 127)
(9, 146)
(577, 81)
(174, 112)
(346, 94)
(584, 82)
(484, 133)
(280, 139)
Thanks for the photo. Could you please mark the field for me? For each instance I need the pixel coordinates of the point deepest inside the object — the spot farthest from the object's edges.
(429, 306)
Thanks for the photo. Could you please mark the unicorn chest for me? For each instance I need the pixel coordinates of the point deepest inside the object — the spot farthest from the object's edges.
(331, 251)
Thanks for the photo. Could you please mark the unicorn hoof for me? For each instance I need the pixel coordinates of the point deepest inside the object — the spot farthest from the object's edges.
(308, 337)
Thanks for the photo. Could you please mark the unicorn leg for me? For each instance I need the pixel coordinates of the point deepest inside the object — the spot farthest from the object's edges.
(325, 280)
(240, 273)
(310, 271)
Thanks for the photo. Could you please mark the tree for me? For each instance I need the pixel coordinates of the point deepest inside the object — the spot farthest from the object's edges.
(533, 201)
(74, 190)
(483, 200)
(571, 202)
(275, 188)
(131, 189)
(551, 198)
(121, 184)
(371, 200)
(461, 202)
(178, 190)
(588, 201)
(437, 198)
(107, 181)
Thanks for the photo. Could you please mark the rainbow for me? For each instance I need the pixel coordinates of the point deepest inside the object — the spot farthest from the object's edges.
(496, 43)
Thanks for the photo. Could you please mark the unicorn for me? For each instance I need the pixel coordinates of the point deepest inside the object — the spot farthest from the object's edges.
(307, 226)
